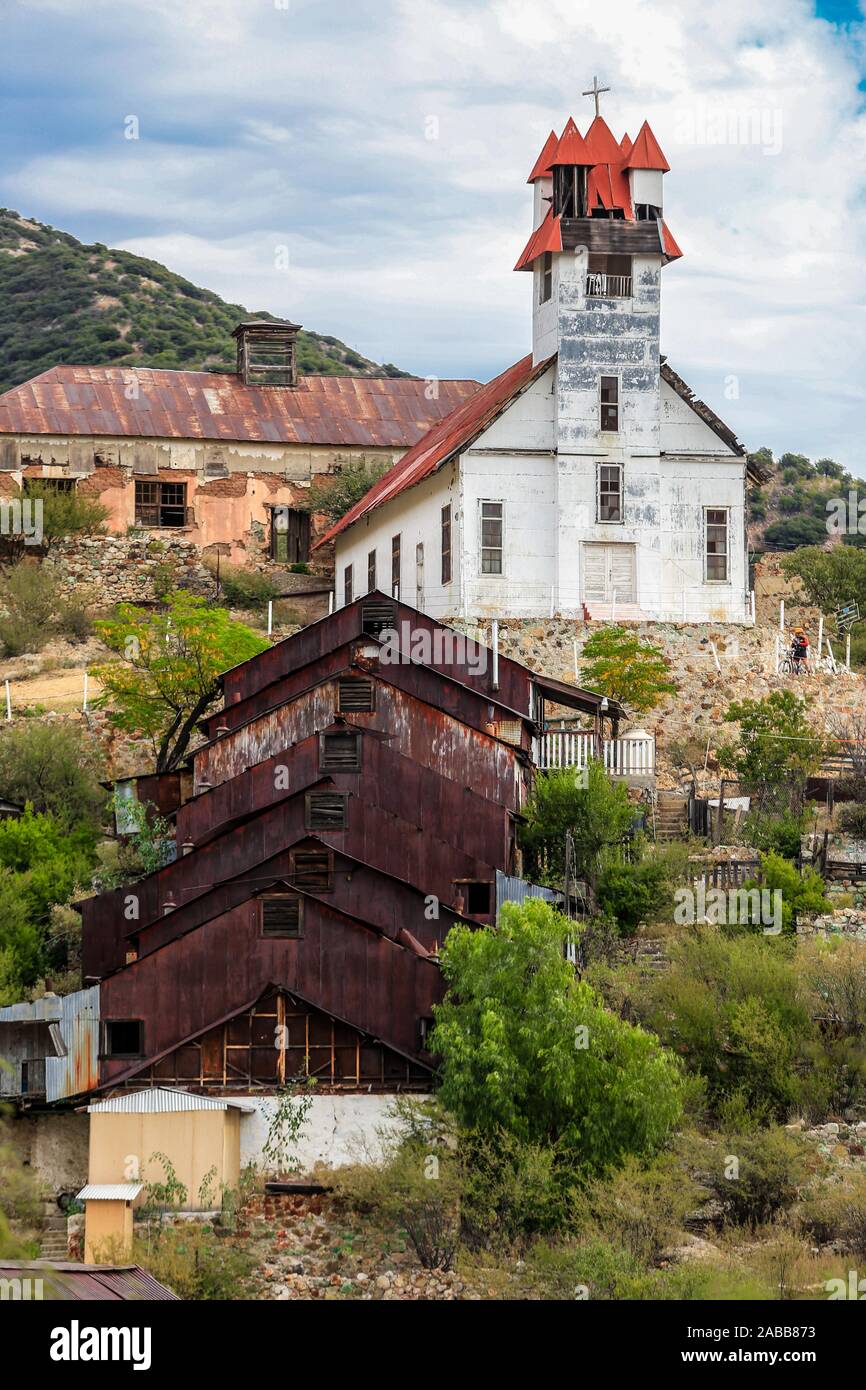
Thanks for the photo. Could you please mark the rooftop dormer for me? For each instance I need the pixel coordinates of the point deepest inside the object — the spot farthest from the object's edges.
(267, 352)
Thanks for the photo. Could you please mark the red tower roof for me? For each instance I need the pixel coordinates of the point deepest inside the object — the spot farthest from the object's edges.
(547, 237)
(601, 144)
(572, 148)
(541, 166)
(646, 152)
(625, 144)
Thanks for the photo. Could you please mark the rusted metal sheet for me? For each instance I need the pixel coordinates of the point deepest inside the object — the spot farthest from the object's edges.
(379, 412)
(88, 1283)
(75, 1073)
(205, 976)
(31, 1032)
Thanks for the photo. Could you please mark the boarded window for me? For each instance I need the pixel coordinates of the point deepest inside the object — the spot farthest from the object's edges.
(717, 543)
(610, 492)
(311, 869)
(355, 695)
(609, 392)
(38, 486)
(340, 753)
(371, 571)
(395, 566)
(123, 1037)
(160, 504)
(347, 585)
(282, 914)
(326, 810)
(491, 537)
(446, 544)
(290, 536)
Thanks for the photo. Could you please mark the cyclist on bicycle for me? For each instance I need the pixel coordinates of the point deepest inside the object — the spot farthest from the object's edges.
(799, 650)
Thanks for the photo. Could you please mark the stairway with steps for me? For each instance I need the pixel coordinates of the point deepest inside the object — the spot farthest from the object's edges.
(597, 611)
(54, 1244)
(672, 815)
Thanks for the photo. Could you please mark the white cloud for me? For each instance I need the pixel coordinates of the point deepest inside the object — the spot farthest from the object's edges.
(316, 121)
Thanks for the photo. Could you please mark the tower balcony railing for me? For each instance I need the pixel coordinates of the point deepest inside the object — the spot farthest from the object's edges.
(601, 286)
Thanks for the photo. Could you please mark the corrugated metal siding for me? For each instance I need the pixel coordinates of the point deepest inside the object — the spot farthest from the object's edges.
(78, 1071)
(517, 890)
(89, 1283)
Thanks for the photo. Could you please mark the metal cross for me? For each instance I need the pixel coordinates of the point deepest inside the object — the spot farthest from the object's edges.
(595, 91)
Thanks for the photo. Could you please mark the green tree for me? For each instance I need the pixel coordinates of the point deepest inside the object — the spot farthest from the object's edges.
(619, 664)
(830, 578)
(54, 768)
(777, 743)
(801, 892)
(169, 677)
(336, 494)
(634, 892)
(66, 514)
(527, 1048)
(591, 806)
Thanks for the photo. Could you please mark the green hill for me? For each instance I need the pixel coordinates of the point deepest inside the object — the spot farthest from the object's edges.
(62, 301)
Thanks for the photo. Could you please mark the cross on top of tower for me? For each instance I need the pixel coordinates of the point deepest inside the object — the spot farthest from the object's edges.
(595, 91)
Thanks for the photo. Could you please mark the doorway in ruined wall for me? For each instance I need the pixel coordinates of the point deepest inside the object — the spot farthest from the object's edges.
(290, 536)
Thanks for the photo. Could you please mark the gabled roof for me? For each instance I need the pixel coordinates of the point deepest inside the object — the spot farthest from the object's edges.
(546, 237)
(608, 184)
(541, 167)
(446, 439)
(625, 144)
(646, 152)
(365, 411)
(671, 249)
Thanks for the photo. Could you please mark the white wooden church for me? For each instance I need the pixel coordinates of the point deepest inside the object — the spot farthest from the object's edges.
(586, 480)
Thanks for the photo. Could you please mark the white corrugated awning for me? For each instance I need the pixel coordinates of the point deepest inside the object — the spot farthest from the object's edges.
(158, 1100)
(110, 1192)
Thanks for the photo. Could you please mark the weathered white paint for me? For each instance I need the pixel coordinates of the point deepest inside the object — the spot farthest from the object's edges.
(340, 1129)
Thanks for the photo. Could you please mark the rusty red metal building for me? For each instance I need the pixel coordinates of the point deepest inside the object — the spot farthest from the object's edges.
(358, 793)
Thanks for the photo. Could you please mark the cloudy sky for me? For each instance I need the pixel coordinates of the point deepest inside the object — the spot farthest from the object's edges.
(360, 165)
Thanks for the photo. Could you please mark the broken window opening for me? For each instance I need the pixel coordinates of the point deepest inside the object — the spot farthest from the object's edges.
(609, 403)
(161, 505)
(610, 492)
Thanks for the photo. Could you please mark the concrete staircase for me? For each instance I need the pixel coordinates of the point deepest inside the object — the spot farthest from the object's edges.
(597, 611)
(672, 815)
(55, 1241)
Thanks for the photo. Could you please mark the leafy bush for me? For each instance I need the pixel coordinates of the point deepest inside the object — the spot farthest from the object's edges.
(736, 1012)
(336, 494)
(802, 892)
(781, 834)
(838, 1213)
(777, 743)
(527, 1048)
(852, 818)
(598, 814)
(753, 1174)
(642, 1206)
(196, 1264)
(620, 664)
(243, 588)
(633, 892)
(55, 769)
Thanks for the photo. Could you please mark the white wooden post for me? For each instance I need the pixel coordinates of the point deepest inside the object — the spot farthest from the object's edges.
(778, 652)
(8, 702)
(494, 637)
(781, 615)
(84, 706)
(831, 656)
(752, 604)
(270, 616)
(716, 657)
(848, 651)
(820, 635)
(574, 646)
(331, 602)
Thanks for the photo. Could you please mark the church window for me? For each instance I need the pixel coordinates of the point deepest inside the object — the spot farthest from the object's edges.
(716, 528)
(371, 571)
(609, 401)
(610, 492)
(347, 585)
(491, 537)
(395, 566)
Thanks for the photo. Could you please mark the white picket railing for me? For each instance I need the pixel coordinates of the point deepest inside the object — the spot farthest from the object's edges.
(624, 757)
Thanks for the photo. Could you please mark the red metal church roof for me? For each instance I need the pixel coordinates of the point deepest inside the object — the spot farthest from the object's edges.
(444, 440)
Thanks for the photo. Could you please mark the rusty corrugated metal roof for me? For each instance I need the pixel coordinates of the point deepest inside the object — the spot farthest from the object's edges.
(378, 412)
(453, 434)
(89, 1283)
